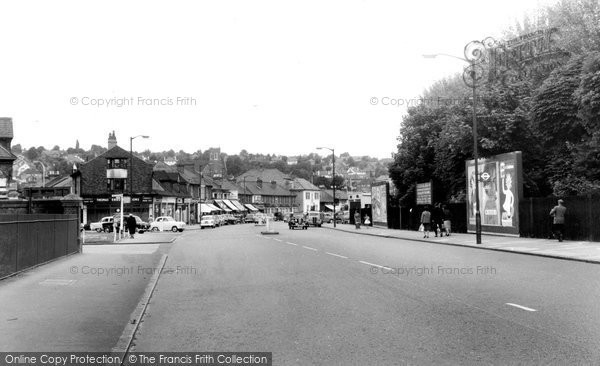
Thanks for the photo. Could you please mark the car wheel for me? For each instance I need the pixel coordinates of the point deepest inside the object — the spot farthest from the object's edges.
(174, 229)
(98, 230)
(180, 230)
(155, 229)
(106, 230)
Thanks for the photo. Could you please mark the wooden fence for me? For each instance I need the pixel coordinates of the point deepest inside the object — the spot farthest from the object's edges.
(29, 240)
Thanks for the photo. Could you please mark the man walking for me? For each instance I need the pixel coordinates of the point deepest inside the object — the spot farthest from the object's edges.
(131, 224)
(558, 224)
(357, 219)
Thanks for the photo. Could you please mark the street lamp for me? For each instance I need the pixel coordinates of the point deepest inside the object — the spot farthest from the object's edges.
(472, 77)
(43, 173)
(131, 166)
(333, 177)
(245, 193)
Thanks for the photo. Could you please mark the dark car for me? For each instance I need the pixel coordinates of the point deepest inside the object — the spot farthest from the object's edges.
(278, 216)
(140, 225)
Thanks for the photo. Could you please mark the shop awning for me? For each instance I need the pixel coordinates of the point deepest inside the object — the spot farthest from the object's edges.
(222, 206)
(251, 208)
(239, 206)
(330, 207)
(205, 208)
(213, 207)
(230, 205)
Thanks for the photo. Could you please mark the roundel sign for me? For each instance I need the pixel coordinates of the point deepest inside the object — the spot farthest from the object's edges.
(485, 176)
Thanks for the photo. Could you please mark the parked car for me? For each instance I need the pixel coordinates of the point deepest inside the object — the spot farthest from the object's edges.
(327, 217)
(140, 225)
(314, 218)
(230, 219)
(164, 223)
(343, 217)
(278, 216)
(249, 218)
(208, 221)
(102, 225)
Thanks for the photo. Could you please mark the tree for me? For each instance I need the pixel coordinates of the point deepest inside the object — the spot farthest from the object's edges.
(17, 149)
(31, 153)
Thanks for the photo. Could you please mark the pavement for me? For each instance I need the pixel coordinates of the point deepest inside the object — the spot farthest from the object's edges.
(583, 251)
(149, 237)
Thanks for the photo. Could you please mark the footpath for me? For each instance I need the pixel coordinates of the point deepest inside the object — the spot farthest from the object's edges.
(583, 251)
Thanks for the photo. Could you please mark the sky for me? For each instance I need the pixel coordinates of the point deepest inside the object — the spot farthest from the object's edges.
(272, 77)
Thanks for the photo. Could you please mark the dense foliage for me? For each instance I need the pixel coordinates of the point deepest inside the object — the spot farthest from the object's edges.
(552, 117)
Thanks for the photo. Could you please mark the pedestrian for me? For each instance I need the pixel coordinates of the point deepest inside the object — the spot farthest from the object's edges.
(357, 219)
(367, 221)
(131, 224)
(447, 219)
(426, 221)
(558, 223)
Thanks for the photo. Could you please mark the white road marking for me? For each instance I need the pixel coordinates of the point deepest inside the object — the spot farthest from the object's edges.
(279, 240)
(309, 248)
(520, 307)
(337, 255)
(287, 242)
(374, 265)
(58, 282)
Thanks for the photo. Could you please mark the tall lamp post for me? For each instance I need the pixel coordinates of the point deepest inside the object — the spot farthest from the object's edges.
(473, 77)
(245, 193)
(43, 173)
(131, 166)
(332, 177)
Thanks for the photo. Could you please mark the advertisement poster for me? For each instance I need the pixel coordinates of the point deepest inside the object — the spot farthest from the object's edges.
(500, 188)
(379, 193)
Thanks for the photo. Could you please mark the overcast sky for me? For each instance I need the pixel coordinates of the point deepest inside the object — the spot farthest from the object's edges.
(277, 77)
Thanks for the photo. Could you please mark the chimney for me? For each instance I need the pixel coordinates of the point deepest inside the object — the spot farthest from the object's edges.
(112, 140)
(259, 183)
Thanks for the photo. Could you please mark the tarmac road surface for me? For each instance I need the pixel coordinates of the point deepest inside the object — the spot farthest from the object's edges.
(320, 296)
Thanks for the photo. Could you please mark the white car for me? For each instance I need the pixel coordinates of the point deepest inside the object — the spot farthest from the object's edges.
(102, 225)
(208, 221)
(163, 223)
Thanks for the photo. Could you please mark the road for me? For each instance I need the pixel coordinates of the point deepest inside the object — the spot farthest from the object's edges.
(320, 296)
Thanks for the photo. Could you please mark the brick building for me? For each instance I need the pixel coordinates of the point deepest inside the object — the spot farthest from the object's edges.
(108, 174)
(6, 156)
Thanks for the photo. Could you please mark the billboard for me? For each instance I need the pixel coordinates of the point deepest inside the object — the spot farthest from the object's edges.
(500, 189)
(424, 193)
(379, 199)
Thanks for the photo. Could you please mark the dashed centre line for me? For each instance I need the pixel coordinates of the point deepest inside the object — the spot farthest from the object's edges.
(520, 307)
(374, 265)
(337, 255)
(309, 248)
(287, 242)
(279, 240)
